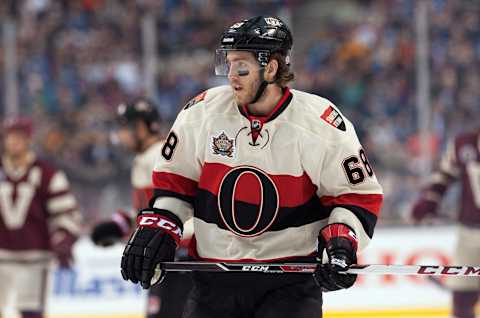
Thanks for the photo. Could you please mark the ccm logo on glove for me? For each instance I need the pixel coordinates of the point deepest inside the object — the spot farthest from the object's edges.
(156, 221)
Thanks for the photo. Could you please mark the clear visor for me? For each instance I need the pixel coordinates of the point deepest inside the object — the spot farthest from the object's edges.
(236, 65)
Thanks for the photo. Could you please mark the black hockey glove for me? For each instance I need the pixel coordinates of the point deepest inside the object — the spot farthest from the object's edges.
(155, 240)
(106, 233)
(340, 243)
(109, 232)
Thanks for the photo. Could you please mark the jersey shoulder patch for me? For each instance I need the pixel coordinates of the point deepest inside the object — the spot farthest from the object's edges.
(197, 99)
(332, 117)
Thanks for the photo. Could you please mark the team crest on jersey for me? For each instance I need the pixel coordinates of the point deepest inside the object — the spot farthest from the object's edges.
(222, 145)
(195, 100)
(333, 118)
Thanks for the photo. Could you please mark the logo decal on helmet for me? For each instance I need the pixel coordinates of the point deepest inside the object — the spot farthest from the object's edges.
(228, 40)
(237, 25)
(273, 21)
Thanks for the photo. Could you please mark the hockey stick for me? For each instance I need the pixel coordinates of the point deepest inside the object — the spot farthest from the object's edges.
(309, 268)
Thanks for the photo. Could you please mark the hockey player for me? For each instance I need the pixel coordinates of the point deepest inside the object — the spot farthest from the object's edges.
(461, 162)
(39, 220)
(266, 172)
(140, 133)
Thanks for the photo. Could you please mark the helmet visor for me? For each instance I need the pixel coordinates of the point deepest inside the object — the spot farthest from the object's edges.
(238, 65)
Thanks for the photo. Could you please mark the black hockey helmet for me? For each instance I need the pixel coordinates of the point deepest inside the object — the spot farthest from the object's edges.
(140, 109)
(262, 35)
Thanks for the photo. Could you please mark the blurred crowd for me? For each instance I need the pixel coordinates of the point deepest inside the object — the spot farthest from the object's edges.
(77, 60)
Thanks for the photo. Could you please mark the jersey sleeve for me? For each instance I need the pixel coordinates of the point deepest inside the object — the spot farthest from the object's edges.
(62, 206)
(346, 183)
(447, 173)
(177, 170)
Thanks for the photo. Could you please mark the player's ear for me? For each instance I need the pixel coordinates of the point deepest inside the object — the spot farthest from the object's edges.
(271, 70)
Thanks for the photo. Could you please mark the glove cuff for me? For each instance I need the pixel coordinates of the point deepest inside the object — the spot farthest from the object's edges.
(124, 221)
(162, 220)
(335, 230)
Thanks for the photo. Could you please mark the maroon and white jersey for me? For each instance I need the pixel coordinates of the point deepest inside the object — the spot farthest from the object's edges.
(461, 162)
(261, 188)
(34, 203)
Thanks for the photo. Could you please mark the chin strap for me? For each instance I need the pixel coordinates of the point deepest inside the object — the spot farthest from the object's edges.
(262, 86)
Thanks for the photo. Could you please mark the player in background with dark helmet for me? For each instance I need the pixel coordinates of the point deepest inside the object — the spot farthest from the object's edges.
(139, 132)
(268, 174)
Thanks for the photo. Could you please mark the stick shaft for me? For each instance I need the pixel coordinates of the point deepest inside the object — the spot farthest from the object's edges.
(309, 268)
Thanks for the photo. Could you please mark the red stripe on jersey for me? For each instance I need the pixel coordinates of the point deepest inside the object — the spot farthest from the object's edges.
(141, 197)
(52, 195)
(370, 202)
(174, 182)
(293, 191)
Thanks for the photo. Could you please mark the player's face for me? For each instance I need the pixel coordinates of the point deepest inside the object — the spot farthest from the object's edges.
(243, 75)
(16, 144)
(126, 138)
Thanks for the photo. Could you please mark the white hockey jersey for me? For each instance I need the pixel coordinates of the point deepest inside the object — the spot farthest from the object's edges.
(141, 175)
(261, 188)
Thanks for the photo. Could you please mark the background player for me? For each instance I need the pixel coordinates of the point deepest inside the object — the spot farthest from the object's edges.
(460, 163)
(139, 132)
(265, 171)
(39, 218)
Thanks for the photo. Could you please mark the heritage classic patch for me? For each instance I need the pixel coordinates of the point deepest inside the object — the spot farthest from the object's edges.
(333, 118)
(222, 145)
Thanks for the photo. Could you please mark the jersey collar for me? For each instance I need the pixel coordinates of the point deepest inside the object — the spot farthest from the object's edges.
(276, 111)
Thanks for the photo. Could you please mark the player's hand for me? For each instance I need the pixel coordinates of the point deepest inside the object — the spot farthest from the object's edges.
(109, 232)
(340, 243)
(422, 209)
(106, 233)
(62, 244)
(155, 240)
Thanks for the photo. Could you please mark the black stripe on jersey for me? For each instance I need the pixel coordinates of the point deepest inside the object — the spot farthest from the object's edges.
(164, 193)
(367, 218)
(281, 108)
(206, 209)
